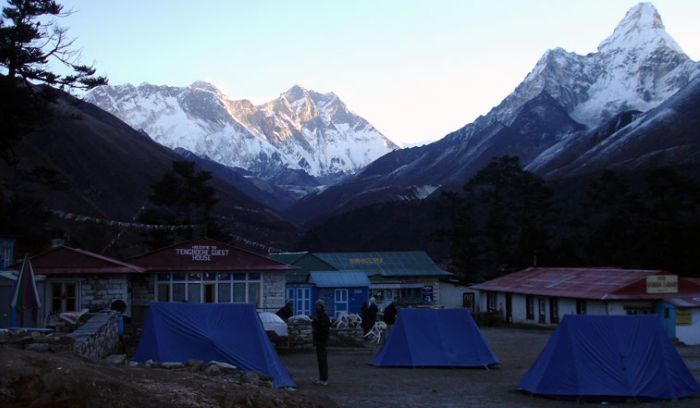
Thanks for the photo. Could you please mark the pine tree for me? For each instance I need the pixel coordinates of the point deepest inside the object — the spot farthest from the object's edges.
(182, 197)
(30, 38)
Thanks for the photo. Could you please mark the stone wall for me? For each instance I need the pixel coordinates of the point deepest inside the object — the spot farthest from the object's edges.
(273, 290)
(98, 337)
(300, 335)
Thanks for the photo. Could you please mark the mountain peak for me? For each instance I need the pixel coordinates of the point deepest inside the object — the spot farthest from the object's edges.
(205, 86)
(641, 28)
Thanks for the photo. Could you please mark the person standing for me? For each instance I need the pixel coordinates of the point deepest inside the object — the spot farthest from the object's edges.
(320, 331)
(372, 311)
(364, 317)
(390, 313)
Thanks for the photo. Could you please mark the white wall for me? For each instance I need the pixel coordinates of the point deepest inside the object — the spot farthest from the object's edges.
(451, 295)
(690, 334)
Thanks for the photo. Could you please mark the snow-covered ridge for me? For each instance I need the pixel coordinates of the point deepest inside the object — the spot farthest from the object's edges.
(636, 68)
(302, 129)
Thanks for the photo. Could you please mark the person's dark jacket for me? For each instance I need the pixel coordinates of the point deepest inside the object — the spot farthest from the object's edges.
(390, 314)
(285, 312)
(372, 311)
(320, 325)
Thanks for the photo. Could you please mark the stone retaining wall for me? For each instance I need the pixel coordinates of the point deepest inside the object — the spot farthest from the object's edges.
(300, 336)
(98, 337)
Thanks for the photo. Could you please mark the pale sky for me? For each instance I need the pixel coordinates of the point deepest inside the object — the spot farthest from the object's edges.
(416, 70)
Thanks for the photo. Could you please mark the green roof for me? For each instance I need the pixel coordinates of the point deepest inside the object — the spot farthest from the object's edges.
(306, 262)
(388, 264)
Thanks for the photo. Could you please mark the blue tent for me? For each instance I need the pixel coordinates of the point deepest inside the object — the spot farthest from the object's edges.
(231, 333)
(435, 338)
(610, 356)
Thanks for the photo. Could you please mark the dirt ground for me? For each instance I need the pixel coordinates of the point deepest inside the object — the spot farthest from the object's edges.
(354, 383)
(64, 380)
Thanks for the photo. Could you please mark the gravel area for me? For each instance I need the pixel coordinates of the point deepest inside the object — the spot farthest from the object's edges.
(354, 383)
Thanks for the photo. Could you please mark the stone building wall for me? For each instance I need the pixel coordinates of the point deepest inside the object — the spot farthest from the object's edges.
(99, 291)
(273, 290)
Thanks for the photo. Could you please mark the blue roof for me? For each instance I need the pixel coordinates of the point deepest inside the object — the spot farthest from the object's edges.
(339, 279)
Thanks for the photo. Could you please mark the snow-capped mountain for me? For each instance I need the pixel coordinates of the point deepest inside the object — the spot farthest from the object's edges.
(565, 97)
(300, 130)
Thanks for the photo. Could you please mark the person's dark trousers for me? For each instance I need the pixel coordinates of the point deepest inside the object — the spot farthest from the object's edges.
(322, 356)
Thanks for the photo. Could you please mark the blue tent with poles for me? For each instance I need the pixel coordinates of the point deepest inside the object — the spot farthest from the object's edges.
(610, 356)
(435, 338)
(230, 333)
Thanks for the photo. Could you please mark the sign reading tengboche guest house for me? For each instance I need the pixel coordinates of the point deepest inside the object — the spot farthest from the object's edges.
(203, 253)
(208, 271)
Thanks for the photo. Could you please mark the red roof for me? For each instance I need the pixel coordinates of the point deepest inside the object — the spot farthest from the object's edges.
(687, 288)
(65, 260)
(206, 255)
(584, 283)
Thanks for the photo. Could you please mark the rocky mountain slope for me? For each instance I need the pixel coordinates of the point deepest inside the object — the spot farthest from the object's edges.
(564, 102)
(105, 169)
(300, 130)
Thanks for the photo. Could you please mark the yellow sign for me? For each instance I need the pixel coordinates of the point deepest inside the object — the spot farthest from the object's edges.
(365, 261)
(683, 317)
(662, 284)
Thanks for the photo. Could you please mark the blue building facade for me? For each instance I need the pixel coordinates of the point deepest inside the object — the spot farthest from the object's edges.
(343, 292)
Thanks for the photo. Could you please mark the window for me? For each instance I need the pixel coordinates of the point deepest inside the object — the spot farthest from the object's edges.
(553, 310)
(253, 294)
(542, 313)
(580, 307)
(530, 307)
(209, 287)
(64, 296)
(491, 301)
(341, 302)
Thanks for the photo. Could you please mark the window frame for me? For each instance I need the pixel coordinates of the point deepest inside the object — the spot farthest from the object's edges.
(194, 280)
(77, 295)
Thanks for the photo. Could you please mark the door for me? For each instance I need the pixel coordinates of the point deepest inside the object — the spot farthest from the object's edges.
(209, 293)
(341, 302)
(302, 302)
(553, 310)
(509, 308)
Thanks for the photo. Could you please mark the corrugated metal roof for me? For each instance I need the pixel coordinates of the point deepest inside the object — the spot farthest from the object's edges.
(407, 263)
(684, 301)
(65, 260)
(339, 279)
(584, 283)
(304, 261)
(287, 257)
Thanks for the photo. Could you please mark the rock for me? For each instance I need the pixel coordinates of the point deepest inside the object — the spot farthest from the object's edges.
(212, 370)
(116, 359)
(194, 365)
(172, 365)
(149, 363)
(37, 347)
(133, 364)
(65, 340)
(250, 377)
(225, 368)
